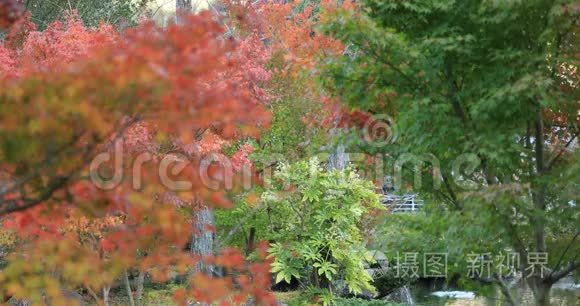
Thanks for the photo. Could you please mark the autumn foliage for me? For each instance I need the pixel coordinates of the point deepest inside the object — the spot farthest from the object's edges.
(80, 92)
(138, 100)
(10, 12)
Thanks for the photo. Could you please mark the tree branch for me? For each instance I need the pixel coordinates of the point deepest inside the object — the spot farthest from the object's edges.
(505, 290)
(452, 95)
(15, 205)
(554, 277)
(555, 158)
(564, 254)
(452, 195)
(59, 182)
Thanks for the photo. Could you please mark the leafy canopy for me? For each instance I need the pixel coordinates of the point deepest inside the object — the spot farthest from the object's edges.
(495, 80)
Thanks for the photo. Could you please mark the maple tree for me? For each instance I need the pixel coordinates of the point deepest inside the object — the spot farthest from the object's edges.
(74, 92)
(492, 80)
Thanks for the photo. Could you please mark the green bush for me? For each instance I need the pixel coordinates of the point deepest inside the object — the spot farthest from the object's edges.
(316, 218)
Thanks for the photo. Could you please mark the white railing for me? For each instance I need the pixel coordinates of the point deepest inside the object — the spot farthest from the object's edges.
(403, 203)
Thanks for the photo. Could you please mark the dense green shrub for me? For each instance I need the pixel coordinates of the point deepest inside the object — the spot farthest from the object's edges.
(315, 221)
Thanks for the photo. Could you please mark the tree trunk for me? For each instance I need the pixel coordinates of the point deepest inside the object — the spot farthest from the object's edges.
(250, 241)
(182, 7)
(338, 160)
(541, 290)
(540, 286)
(129, 291)
(543, 295)
(140, 281)
(202, 240)
(106, 290)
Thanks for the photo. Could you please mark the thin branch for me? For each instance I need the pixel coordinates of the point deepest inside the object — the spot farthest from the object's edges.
(218, 14)
(59, 182)
(564, 253)
(562, 273)
(93, 294)
(236, 229)
(68, 148)
(505, 290)
(452, 95)
(449, 189)
(555, 158)
(396, 69)
(15, 205)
